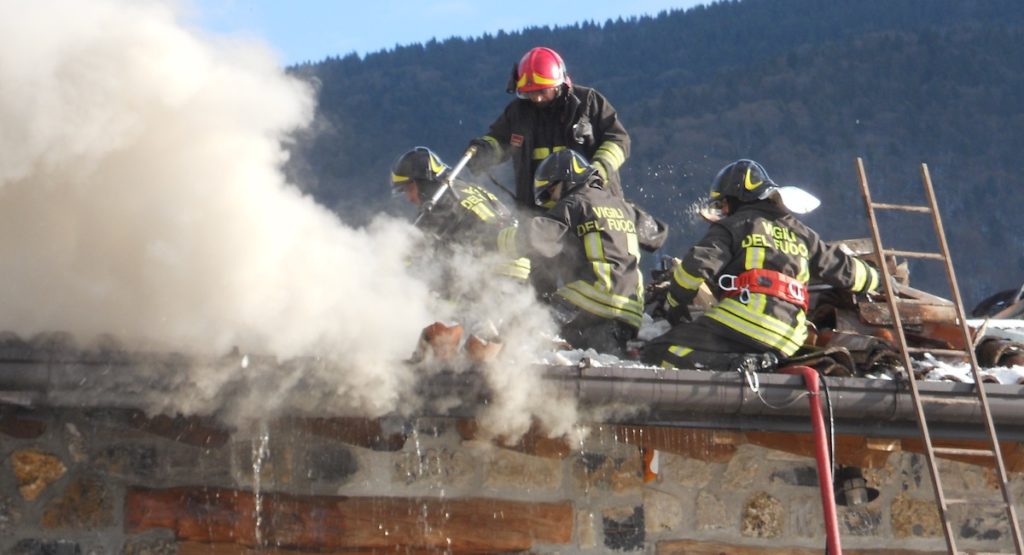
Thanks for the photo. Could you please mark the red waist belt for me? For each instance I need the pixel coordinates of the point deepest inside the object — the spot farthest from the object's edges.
(768, 282)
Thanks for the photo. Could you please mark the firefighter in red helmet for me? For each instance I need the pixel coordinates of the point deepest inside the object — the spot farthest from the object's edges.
(550, 114)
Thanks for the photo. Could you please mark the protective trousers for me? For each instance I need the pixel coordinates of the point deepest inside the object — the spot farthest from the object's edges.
(697, 346)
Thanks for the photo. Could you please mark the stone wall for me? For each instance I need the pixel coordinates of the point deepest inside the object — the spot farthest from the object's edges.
(115, 481)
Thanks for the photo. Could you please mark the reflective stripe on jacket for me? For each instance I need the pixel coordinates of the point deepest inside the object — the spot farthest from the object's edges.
(472, 215)
(527, 134)
(762, 235)
(591, 236)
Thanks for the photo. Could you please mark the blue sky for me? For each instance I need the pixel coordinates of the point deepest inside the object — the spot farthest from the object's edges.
(310, 30)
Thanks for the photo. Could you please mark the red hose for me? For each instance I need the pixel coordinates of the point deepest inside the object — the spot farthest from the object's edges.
(828, 498)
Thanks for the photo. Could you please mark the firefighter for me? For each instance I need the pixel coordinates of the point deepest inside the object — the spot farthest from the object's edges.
(757, 260)
(466, 214)
(588, 236)
(551, 114)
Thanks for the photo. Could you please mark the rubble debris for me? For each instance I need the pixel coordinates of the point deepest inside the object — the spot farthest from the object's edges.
(995, 351)
(1004, 304)
(438, 341)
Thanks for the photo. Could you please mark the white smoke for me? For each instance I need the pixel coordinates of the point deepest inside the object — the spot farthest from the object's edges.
(521, 398)
(141, 197)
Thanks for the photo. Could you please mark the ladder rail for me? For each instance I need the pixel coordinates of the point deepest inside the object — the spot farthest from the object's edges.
(975, 369)
(908, 365)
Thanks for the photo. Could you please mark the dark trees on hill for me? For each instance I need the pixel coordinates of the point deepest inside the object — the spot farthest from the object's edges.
(803, 86)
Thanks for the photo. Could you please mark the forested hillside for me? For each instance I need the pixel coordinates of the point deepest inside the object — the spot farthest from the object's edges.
(803, 86)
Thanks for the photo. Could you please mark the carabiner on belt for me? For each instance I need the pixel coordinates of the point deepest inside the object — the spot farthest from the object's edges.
(796, 291)
(744, 295)
(727, 282)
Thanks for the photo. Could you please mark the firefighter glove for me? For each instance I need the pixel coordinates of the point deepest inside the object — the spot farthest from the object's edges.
(601, 169)
(483, 158)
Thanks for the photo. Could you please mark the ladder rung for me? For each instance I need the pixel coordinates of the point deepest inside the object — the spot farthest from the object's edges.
(912, 254)
(979, 391)
(988, 502)
(903, 207)
(947, 352)
(964, 452)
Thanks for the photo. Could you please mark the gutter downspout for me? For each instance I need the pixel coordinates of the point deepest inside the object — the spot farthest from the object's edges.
(828, 499)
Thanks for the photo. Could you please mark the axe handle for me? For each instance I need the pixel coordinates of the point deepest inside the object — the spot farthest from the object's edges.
(446, 184)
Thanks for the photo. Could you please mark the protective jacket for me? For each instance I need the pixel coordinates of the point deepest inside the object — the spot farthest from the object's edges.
(472, 215)
(580, 118)
(591, 235)
(761, 236)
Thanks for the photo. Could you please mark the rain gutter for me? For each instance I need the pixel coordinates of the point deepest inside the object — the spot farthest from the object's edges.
(656, 397)
(725, 400)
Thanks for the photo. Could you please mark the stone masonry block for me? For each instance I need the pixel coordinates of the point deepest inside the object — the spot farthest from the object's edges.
(806, 476)
(913, 473)
(914, 517)
(86, 503)
(711, 513)
(270, 462)
(804, 516)
(10, 516)
(860, 521)
(128, 460)
(624, 528)
(150, 545)
(763, 517)
(509, 470)
(685, 471)
(433, 466)
(959, 476)
(34, 546)
(604, 473)
(988, 524)
(330, 463)
(586, 532)
(742, 471)
(662, 512)
(35, 470)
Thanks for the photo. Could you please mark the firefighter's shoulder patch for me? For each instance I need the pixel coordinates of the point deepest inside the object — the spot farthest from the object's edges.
(516, 140)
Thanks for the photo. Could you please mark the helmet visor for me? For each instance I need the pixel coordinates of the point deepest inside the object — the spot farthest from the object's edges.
(713, 210)
(537, 94)
(398, 184)
(548, 194)
(795, 199)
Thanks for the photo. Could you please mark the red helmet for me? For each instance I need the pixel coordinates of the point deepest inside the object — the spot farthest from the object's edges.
(541, 68)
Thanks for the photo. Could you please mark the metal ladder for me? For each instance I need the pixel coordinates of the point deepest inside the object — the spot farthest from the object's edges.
(993, 451)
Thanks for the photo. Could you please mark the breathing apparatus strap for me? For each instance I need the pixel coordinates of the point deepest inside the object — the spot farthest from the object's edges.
(768, 282)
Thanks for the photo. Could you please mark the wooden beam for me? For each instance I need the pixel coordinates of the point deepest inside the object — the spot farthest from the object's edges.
(911, 312)
(851, 450)
(707, 445)
(224, 516)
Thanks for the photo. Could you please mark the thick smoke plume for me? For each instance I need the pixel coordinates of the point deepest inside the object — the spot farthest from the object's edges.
(141, 197)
